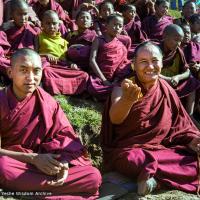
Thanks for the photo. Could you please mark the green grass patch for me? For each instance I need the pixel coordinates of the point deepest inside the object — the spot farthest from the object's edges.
(174, 13)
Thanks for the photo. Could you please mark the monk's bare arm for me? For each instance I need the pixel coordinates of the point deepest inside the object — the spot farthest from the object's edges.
(122, 100)
(93, 63)
(184, 75)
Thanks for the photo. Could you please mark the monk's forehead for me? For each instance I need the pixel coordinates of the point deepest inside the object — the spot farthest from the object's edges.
(148, 50)
(28, 60)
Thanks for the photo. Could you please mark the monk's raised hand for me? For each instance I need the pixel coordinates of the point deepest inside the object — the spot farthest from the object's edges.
(48, 163)
(61, 176)
(195, 145)
(74, 66)
(130, 91)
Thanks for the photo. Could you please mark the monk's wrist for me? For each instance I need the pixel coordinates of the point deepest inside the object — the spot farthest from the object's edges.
(32, 158)
(128, 101)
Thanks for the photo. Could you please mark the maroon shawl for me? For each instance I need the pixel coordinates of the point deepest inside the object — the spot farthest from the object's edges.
(158, 121)
(192, 52)
(80, 54)
(37, 124)
(22, 37)
(112, 57)
(154, 28)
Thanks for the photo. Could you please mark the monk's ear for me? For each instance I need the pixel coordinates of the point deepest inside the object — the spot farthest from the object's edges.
(9, 72)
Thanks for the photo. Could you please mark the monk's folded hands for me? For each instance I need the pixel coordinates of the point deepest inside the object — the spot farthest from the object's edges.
(61, 176)
(48, 163)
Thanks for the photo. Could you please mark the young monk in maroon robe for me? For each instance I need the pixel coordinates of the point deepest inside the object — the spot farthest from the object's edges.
(144, 8)
(22, 34)
(195, 27)
(105, 9)
(175, 68)
(155, 24)
(80, 41)
(146, 133)
(132, 27)
(39, 149)
(43, 5)
(108, 59)
(191, 51)
(60, 76)
(189, 8)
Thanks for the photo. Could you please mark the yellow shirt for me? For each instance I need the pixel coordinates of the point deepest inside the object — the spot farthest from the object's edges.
(56, 46)
(172, 70)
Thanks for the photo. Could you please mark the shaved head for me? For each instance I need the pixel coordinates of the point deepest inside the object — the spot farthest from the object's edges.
(25, 52)
(50, 13)
(16, 4)
(172, 30)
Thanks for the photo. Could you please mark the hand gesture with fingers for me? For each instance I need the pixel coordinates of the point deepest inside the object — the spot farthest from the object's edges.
(48, 163)
(52, 59)
(174, 81)
(61, 176)
(131, 91)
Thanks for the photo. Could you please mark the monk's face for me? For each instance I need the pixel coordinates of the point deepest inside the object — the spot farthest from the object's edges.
(84, 20)
(189, 10)
(162, 9)
(187, 34)
(130, 13)
(173, 41)
(115, 26)
(20, 16)
(106, 10)
(195, 27)
(26, 75)
(50, 24)
(148, 64)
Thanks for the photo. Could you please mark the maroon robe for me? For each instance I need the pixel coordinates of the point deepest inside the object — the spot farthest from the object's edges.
(113, 63)
(55, 6)
(187, 86)
(37, 124)
(60, 79)
(81, 54)
(192, 54)
(136, 34)
(152, 140)
(4, 49)
(22, 37)
(154, 28)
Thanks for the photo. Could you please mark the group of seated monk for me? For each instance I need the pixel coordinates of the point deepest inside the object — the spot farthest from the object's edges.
(140, 63)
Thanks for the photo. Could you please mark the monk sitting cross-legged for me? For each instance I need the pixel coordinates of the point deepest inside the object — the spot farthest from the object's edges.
(39, 150)
(146, 133)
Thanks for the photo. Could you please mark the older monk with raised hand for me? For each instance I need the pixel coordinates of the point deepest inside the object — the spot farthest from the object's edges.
(39, 150)
(146, 133)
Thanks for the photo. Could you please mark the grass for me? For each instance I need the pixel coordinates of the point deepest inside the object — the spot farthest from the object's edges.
(174, 13)
(85, 117)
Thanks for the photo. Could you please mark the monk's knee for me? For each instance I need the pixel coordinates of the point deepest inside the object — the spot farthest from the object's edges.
(4, 169)
(95, 179)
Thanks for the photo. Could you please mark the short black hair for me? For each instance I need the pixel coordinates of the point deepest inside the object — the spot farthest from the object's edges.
(173, 29)
(146, 44)
(195, 17)
(126, 7)
(188, 2)
(104, 3)
(159, 2)
(14, 4)
(49, 13)
(23, 51)
(113, 16)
